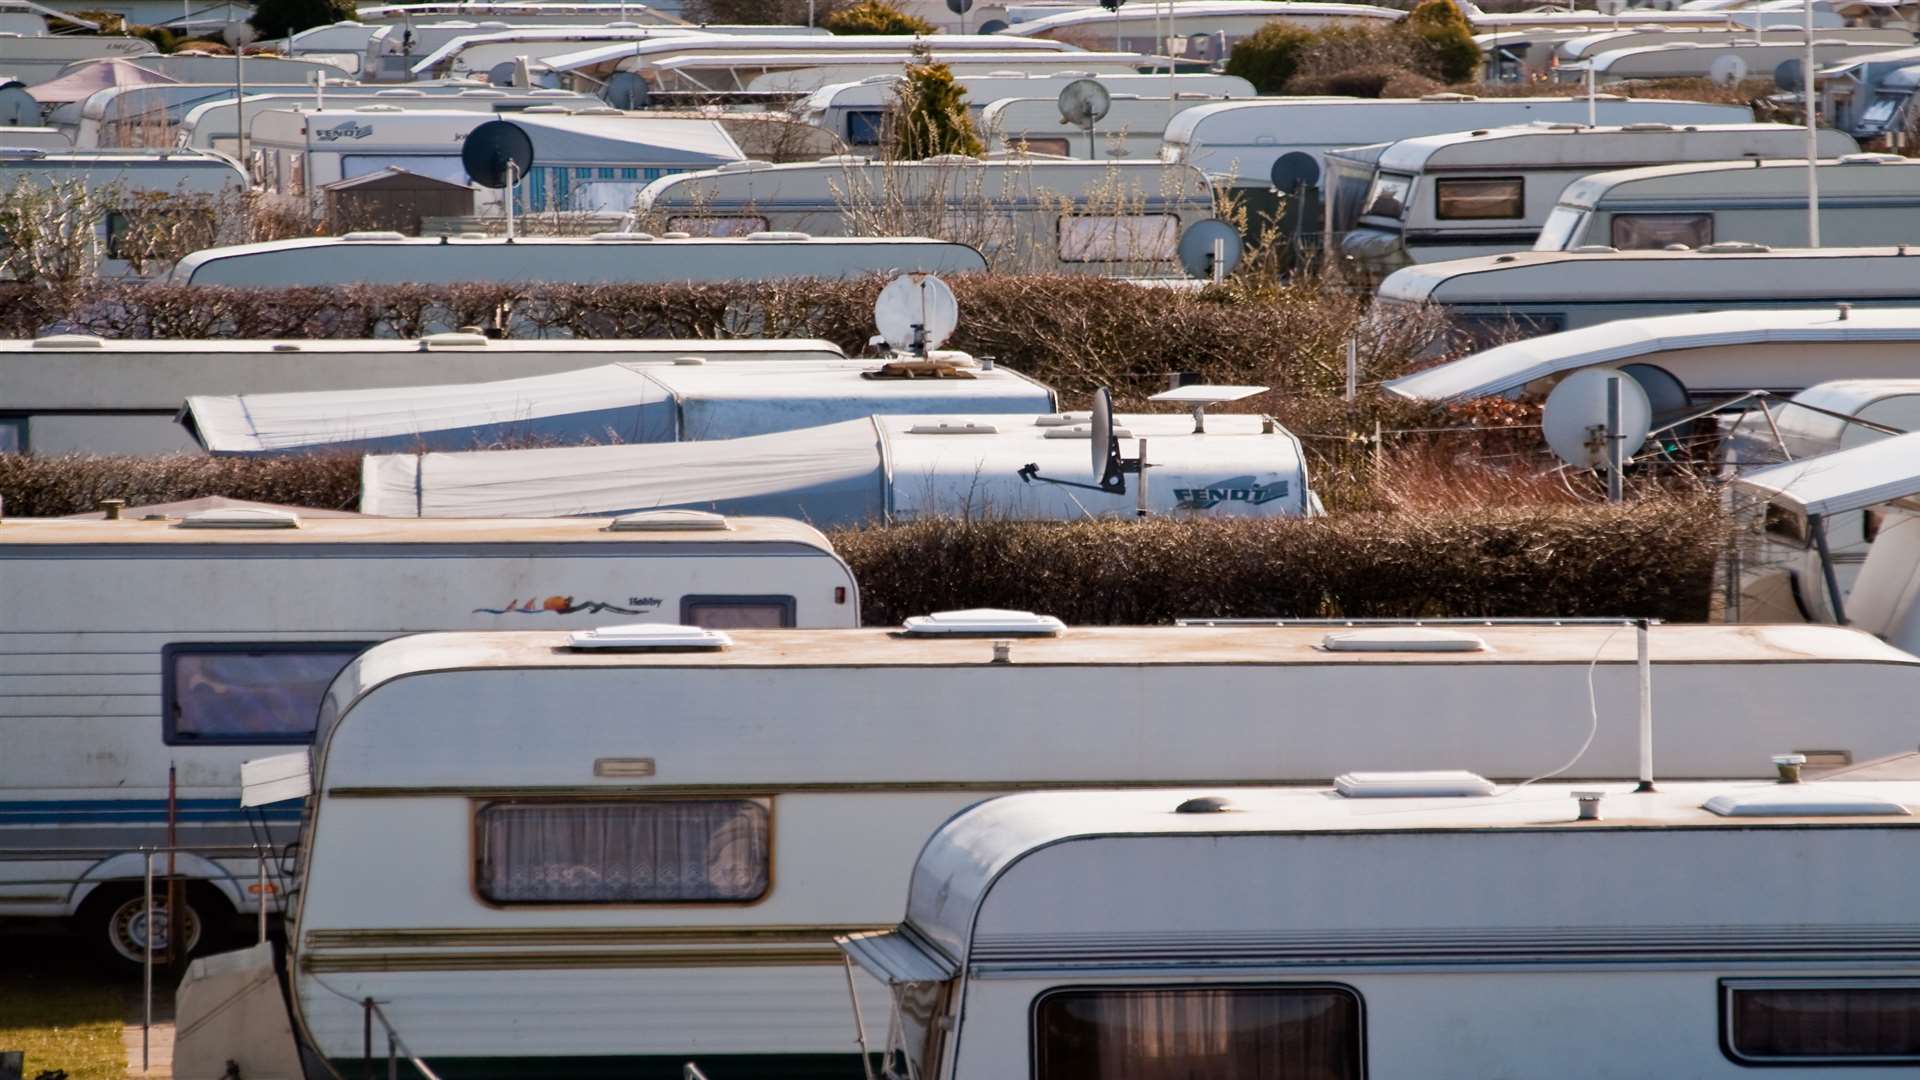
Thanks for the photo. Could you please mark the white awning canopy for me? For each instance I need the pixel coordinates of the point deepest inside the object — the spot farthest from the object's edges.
(1835, 483)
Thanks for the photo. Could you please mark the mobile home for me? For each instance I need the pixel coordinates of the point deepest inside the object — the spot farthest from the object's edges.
(792, 74)
(1133, 128)
(481, 50)
(378, 257)
(1734, 39)
(1196, 29)
(1864, 199)
(612, 403)
(76, 394)
(1761, 16)
(197, 643)
(1339, 932)
(485, 961)
(1867, 95)
(1547, 291)
(215, 124)
(880, 468)
(593, 67)
(1484, 192)
(142, 115)
(1078, 217)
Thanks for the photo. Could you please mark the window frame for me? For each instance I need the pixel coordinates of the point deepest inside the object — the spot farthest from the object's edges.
(169, 697)
(789, 606)
(1728, 987)
(475, 805)
(1033, 1007)
(1165, 219)
(1441, 183)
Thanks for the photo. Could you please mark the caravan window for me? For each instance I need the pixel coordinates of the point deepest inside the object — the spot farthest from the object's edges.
(13, 434)
(1880, 113)
(1026, 144)
(737, 612)
(1651, 232)
(1388, 196)
(247, 693)
(654, 851)
(1480, 200)
(866, 127)
(1118, 237)
(439, 166)
(1254, 1032)
(1822, 1020)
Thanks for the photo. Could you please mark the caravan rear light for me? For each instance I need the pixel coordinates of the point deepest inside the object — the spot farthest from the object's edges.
(269, 889)
(665, 636)
(984, 622)
(839, 594)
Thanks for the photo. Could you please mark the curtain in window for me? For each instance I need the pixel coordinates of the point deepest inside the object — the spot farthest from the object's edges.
(1651, 232)
(1827, 1022)
(1220, 1034)
(231, 696)
(638, 852)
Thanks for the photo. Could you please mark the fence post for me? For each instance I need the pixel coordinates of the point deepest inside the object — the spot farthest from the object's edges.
(263, 896)
(146, 1016)
(393, 1054)
(1353, 367)
(366, 1037)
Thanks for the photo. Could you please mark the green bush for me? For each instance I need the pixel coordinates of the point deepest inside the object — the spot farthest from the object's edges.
(1449, 37)
(280, 18)
(1270, 56)
(930, 115)
(875, 17)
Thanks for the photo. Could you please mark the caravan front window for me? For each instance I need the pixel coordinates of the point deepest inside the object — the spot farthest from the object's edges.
(866, 127)
(223, 693)
(1388, 197)
(1298, 1032)
(1809, 1021)
(653, 851)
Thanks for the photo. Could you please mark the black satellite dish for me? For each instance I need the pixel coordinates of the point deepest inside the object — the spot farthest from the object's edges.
(959, 7)
(1787, 75)
(992, 26)
(625, 90)
(494, 146)
(1295, 169)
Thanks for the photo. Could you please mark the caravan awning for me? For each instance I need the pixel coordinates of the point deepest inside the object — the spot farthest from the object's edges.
(627, 141)
(1835, 483)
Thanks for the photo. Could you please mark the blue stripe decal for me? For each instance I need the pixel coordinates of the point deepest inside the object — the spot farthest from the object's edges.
(135, 811)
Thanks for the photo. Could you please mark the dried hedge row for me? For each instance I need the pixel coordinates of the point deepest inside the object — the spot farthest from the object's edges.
(57, 485)
(1655, 558)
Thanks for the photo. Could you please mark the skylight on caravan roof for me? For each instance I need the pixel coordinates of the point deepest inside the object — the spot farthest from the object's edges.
(1403, 639)
(1795, 800)
(1437, 783)
(670, 521)
(985, 621)
(240, 517)
(649, 636)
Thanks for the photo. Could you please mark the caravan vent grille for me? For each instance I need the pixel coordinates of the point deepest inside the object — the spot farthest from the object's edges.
(638, 636)
(670, 521)
(368, 237)
(240, 517)
(1803, 801)
(987, 622)
(1438, 783)
(1402, 639)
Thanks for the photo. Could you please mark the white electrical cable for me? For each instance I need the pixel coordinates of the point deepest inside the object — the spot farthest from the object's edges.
(1593, 719)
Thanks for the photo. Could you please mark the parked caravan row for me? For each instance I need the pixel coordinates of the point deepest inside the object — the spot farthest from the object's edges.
(786, 76)
(40, 58)
(880, 468)
(1132, 130)
(795, 838)
(1484, 192)
(387, 257)
(1865, 199)
(1077, 217)
(594, 67)
(1695, 61)
(87, 395)
(145, 115)
(122, 665)
(1736, 40)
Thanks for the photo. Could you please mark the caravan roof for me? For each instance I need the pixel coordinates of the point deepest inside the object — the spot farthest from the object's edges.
(1635, 37)
(1851, 479)
(1738, 184)
(1543, 145)
(1806, 433)
(362, 529)
(1690, 60)
(633, 56)
(487, 46)
(180, 171)
(1201, 16)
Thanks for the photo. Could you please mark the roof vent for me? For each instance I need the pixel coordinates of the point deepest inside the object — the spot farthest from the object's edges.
(1730, 246)
(371, 237)
(632, 237)
(844, 159)
(1646, 125)
(637, 636)
(453, 340)
(1870, 159)
(1062, 419)
(421, 93)
(689, 361)
(69, 341)
(670, 521)
(1505, 259)
(1448, 97)
(1402, 639)
(483, 93)
(286, 346)
(376, 109)
(968, 428)
(1594, 249)
(1083, 431)
(950, 159)
(779, 235)
(545, 91)
(597, 110)
(919, 369)
(1207, 804)
(1439, 783)
(676, 235)
(1803, 801)
(749, 165)
(547, 110)
(983, 622)
(240, 517)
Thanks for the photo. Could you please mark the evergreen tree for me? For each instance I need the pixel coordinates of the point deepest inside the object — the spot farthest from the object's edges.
(930, 116)
(1270, 56)
(875, 17)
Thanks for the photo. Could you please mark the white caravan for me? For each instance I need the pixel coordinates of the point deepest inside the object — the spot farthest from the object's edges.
(142, 115)
(297, 153)
(77, 394)
(594, 67)
(1195, 29)
(42, 57)
(1484, 192)
(1865, 199)
(136, 648)
(1691, 61)
(1133, 129)
(1868, 95)
(856, 111)
(1577, 50)
(1692, 359)
(33, 138)
(1348, 931)
(613, 403)
(480, 50)
(882, 468)
(605, 258)
(1116, 218)
(1542, 292)
(789, 74)
(180, 183)
(215, 125)
(445, 887)
(1243, 139)
(1761, 16)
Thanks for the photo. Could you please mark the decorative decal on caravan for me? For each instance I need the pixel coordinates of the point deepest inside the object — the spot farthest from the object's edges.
(566, 605)
(1239, 489)
(346, 129)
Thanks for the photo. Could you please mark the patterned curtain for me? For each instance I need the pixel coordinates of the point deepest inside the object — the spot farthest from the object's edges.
(634, 852)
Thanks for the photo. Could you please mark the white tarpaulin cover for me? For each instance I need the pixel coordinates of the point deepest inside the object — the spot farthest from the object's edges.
(611, 403)
(1844, 480)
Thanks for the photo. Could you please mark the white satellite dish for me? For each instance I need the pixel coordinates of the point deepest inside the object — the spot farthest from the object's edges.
(1102, 440)
(1084, 102)
(916, 313)
(1575, 418)
(1726, 70)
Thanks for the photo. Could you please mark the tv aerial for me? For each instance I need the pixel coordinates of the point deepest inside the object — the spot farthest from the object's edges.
(1595, 419)
(1198, 396)
(1084, 103)
(497, 154)
(1109, 468)
(916, 313)
(1209, 250)
(1726, 70)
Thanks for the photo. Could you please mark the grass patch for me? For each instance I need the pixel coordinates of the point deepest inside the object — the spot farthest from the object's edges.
(61, 1014)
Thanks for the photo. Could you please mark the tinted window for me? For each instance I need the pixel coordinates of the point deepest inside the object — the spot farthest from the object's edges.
(13, 434)
(1242, 1033)
(865, 127)
(248, 694)
(1651, 232)
(655, 851)
(1824, 1022)
(1474, 200)
(737, 612)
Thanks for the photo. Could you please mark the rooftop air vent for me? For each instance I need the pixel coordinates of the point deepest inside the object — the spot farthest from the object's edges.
(1083, 431)
(547, 110)
(286, 346)
(376, 109)
(371, 237)
(1448, 97)
(397, 93)
(950, 159)
(546, 91)
(689, 361)
(454, 340)
(1207, 804)
(1870, 159)
(1646, 125)
(1729, 246)
(487, 93)
(844, 159)
(69, 341)
(1803, 800)
(665, 636)
(919, 369)
(968, 428)
(240, 517)
(676, 235)
(984, 622)
(627, 237)
(596, 110)
(1402, 639)
(1435, 784)
(778, 235)
(749, 165)
(670, 521)
(1594, 249)
(1062, 419)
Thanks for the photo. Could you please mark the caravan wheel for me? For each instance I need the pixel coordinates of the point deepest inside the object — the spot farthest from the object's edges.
(114, 919)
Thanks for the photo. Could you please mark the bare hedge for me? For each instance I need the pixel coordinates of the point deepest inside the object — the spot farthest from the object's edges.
(1654, 558)
(62, 484)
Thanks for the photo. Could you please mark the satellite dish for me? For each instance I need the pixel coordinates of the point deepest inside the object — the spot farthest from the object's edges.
(1726, 70)
(1084, 102)
(491, 147)
(992, 26)
(1575, 418)
(1102, 442)
(959, 7)
(916, 313)
(1196, 249)
(625, 90)
(239, 34)
(1787, 75)
(1294, 169)
(1667, 396)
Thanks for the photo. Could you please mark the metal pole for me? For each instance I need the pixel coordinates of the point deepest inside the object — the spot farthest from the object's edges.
(366, 1037)
(1593, 105)
(393, 1056)
(146, 1017)
(1645, 660)
(1116, 29)
(1813, 139)
(240, 102)
(1219, 259)
(513, 174)
(1819, 524)
(1353, 368)
(263, 898)
(1140, 508)
(1173, 66)
(1616, 442)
